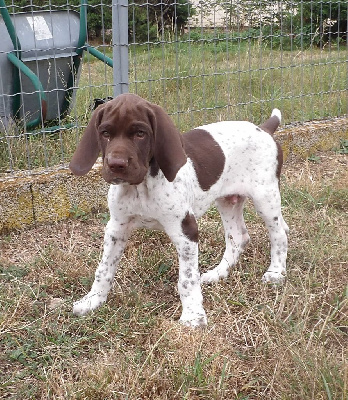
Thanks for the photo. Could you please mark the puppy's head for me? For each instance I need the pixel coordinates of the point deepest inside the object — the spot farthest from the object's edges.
(132, 134)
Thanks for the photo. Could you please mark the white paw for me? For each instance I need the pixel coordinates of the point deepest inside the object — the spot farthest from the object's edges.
(273, 277)
(88, 303)
(209, 277)
(193, 320)
(214, 275)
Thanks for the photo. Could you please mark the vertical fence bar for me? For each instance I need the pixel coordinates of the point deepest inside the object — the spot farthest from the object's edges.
(120, 45)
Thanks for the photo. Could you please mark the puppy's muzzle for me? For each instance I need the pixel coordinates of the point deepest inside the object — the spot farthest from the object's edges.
(117, 164)
(117, 169)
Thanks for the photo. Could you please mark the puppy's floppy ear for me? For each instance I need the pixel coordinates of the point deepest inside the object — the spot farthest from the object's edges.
(88, 149)
(168, 150)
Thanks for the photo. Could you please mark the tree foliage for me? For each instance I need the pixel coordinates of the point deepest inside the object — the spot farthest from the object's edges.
(295, 23)
(312, 23)
(328, 18)
(151, 19)
(99, 13)
(299, 23)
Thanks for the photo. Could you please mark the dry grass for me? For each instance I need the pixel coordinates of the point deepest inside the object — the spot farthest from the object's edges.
(261, 342)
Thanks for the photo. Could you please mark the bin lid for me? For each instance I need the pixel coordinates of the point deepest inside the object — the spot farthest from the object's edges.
(47, 34)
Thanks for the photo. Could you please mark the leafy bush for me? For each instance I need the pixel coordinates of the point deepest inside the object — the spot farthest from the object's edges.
(150, 20)
(308, 23)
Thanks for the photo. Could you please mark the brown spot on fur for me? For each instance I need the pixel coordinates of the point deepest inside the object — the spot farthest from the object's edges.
(207, 156)
(190, 227)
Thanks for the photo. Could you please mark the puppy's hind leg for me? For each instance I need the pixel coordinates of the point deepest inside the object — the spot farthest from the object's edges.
(268, 205)
(236, 236)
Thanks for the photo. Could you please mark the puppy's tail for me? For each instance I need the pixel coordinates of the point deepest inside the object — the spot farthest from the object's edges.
(271, 125)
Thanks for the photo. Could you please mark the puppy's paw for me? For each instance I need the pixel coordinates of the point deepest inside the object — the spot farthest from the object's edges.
(209, 277)
(88, 303)
(274, 277)
(194, 320)
(214, 275)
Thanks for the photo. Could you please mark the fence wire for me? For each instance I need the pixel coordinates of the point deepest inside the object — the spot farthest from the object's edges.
(202, 61)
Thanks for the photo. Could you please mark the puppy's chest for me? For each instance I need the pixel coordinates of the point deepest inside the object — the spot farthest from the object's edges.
(145, 204)
(157, 200)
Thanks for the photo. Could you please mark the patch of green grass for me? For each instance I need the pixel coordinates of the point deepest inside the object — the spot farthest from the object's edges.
(76, 212)
(196, 378)
(343, 148)
(314, 158)
(198, 80)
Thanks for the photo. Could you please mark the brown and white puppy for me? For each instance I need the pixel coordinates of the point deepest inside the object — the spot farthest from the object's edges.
(164, 180)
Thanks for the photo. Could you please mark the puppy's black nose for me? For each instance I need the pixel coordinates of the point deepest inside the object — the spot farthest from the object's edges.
(117, 163)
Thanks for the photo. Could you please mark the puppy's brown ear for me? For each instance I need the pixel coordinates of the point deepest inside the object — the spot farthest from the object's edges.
(88, 149)
(169, 151)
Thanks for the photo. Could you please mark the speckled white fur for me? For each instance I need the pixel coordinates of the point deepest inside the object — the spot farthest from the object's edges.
(160, 204)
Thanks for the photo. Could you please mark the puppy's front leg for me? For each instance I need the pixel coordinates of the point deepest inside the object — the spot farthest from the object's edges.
(115, 239)
(185, 239)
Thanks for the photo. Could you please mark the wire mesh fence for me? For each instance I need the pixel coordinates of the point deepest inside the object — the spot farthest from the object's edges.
(201, 60)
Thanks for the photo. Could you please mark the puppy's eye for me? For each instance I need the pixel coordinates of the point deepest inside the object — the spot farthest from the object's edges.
(105, 134)
(140, 134)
